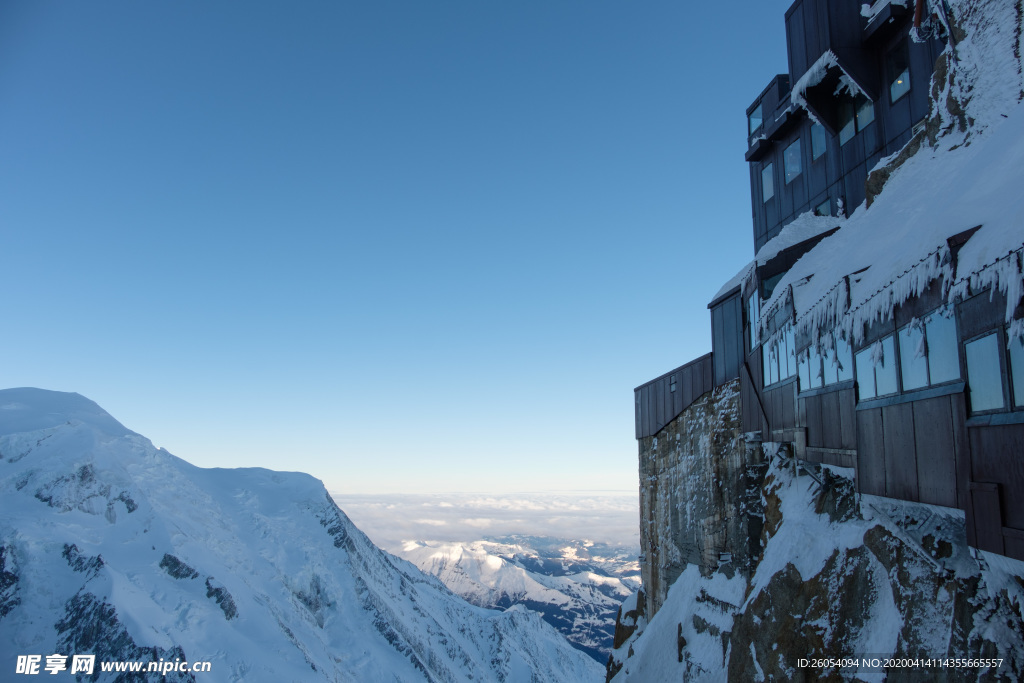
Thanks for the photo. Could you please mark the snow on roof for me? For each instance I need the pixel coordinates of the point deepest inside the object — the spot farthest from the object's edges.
(804, 227)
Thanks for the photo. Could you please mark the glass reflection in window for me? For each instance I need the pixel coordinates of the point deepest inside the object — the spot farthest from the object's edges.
(983, 375)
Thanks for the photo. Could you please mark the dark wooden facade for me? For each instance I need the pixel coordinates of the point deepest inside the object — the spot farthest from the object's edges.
(813, 28)
(727, 336)
(663, 399)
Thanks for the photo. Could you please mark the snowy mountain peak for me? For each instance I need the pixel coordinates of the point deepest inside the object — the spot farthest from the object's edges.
(28, 409)
(112, 547)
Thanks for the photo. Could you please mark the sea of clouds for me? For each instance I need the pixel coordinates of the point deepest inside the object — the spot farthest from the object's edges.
(598, 516)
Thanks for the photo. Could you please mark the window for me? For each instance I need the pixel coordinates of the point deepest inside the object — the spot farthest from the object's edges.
(753, 120)
(791, 161)
(913, 362)
(753, 314)
(779, 358)
(817, 140)
(847, 126)
(876, 369)
(854, 116)
(767, 184)
(984, 378)
(943, 358)
(1017, 371)
(823, 209)
(865, 112)
(897, 71)
(672, 384)
(834, 365)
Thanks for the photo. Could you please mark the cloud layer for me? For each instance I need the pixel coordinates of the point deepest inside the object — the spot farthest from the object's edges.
(390, 519)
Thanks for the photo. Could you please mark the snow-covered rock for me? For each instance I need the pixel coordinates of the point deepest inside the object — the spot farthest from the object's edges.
(112, 547)
(576, 586)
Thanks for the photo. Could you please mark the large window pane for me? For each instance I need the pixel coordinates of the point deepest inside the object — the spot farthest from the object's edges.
(814, 381)
(885, 370)
(897, 69)
(865, 112)
(913, 363)
(767, 182)
(789, 355)
(791, 162)
(830, 372)
(865, 374)
(817, 140)
(753, 313)
(803, 372)
(844, 356)
(943, 359)
(983, 376)
(847, 127)
(754, 120)
(1017, 371)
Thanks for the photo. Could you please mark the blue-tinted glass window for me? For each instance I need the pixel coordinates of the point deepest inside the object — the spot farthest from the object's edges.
(943, 359)
(814, 362)
(830, 371)
(897, 68)
(865, 112)
(1017, 371)
(753, 313)
(767, 182)
(844, 358)
(913, 362)
(847, 125)
(885, 369)
(788, 354)
(823, 209)
(754, 120)
(818, 140)
(803, 372)
(865, 374)
(983, 375)
(791, 161)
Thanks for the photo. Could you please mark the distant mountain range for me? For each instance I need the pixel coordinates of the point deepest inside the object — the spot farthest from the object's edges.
(577, 586)
(112, 547)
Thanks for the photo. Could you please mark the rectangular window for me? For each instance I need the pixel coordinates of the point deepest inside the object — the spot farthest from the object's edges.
(817, 140)
(1017, 371)
(753, 314)
(913, 362)
(865, 374)
(803, 371)
(672, 384)
(865, 112)
(823, 209)
(897, 70)
(787, 355)
(943, 358)
(843, 359)
(885, 369)
(754, 120)
(767, 182)
(847, 126)
(814, 360)
(876, 369)
(791, 162)
(984, 378)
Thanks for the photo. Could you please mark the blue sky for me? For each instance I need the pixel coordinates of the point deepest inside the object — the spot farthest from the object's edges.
(402, 246)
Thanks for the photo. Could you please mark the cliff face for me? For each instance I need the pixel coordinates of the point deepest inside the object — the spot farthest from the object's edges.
(837, 577)
(699, 499)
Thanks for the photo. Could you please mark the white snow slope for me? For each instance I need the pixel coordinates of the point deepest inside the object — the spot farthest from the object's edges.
(110, 546)
(577, 586)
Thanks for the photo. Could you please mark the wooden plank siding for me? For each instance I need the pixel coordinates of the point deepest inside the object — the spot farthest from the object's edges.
(656, 403)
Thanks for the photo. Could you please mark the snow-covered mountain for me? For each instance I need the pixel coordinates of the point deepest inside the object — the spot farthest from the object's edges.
(577, 586)
(112, 547)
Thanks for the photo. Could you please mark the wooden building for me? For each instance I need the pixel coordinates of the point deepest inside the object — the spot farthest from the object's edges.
(926, 405)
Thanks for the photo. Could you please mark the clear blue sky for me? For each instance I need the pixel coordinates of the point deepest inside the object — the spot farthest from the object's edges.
(402, 246)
